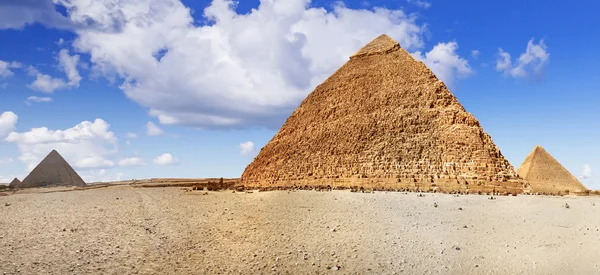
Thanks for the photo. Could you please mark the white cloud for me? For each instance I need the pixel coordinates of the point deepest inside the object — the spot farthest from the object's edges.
(420, 3)
(153, 130)
(475, 53)
(60, 42)
(86, 145)
(5, 68)
(240, 70)
(531, 62)
(445, 63)
(37, 99)
(133, 161)
(5, 160)
(94, 161)
(165, 159)
(587, 172)
(45, 83)
(8, 122)
(48, 84)
(131, 135)
(68, 64)
(16, 14)
(247, 148)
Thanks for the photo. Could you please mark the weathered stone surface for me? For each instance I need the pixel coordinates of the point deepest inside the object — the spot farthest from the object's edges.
(546, 175)
(383, 120)
(15, 182)
(52, 171)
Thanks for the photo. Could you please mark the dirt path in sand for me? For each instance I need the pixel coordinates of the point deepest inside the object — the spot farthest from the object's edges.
(123, 230)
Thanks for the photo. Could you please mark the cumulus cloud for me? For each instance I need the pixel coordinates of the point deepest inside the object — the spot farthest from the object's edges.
(587, 172)
(475, 53)
(239, 70)
(5, 68)
(87, 145)
(37, 99)
(48, 84)
(165, 159)
(131, 135)
(8, 122)
(153, 130)
(68, 64)
(529, 63)
(133, 161)
(45, 83)
(247, 148)
(16, 14)
(445, 63)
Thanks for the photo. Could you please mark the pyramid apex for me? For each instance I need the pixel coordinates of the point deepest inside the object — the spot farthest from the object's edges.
(381, 45)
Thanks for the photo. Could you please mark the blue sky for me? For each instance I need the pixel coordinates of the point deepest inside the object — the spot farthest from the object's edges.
(218, 80)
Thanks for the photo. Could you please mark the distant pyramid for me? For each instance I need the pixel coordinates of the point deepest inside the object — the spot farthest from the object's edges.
(383, 120)
(52, 171)
(15, 182)
(546, 175)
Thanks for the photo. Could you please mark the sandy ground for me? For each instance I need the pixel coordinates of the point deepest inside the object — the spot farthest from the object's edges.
(124, 230)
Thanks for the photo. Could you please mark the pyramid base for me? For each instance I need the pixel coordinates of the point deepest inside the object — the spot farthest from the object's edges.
(387, 184)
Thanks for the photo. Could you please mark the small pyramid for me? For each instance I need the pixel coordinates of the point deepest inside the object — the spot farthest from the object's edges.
(546, 175)
(15, 182)
(383, 120)
(52, 171)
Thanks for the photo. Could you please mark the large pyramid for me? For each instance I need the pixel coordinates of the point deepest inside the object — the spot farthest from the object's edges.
(15, 182)
(383, 120)
(546, 175)
(52, 171)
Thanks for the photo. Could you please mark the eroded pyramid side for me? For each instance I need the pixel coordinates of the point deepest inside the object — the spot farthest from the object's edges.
(53, 170)
(546, 175)
(382, 120)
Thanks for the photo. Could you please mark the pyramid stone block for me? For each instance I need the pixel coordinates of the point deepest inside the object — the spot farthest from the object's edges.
(52, 171)
(383, 120)
(546, 175)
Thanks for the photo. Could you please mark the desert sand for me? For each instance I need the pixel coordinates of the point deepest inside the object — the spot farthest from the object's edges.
(125, 230)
